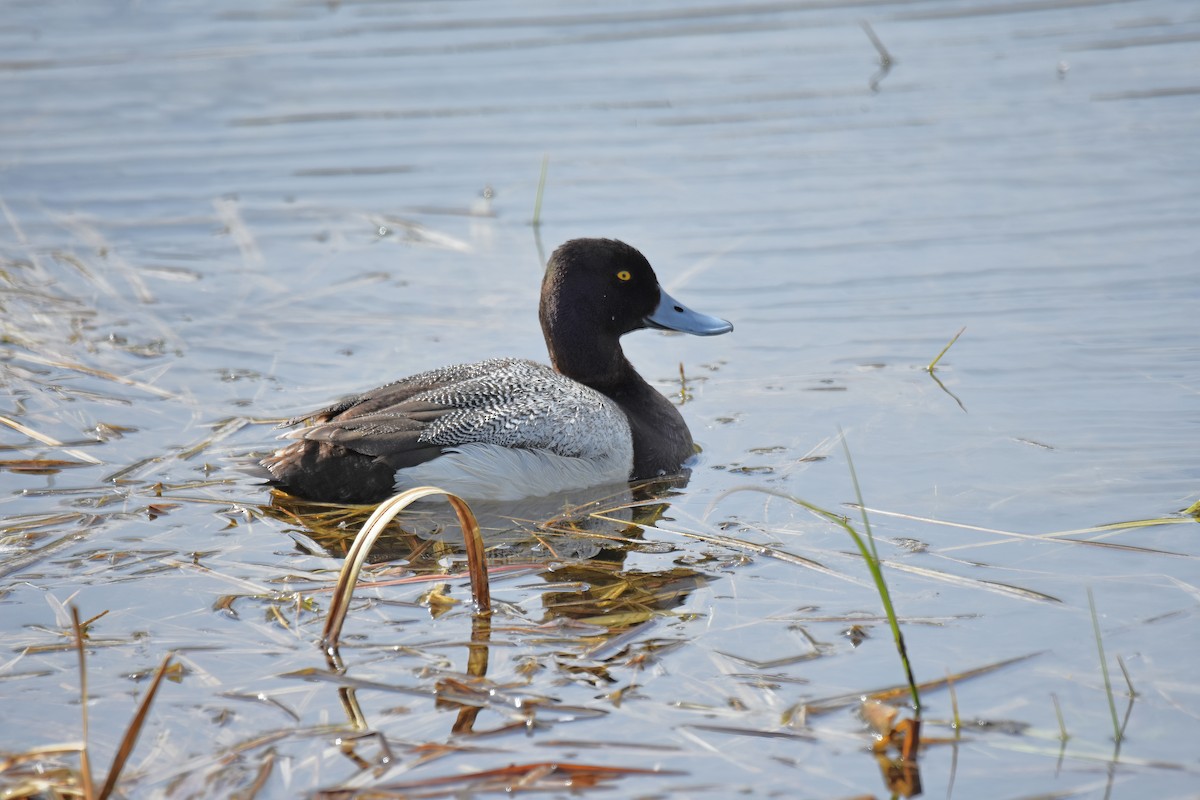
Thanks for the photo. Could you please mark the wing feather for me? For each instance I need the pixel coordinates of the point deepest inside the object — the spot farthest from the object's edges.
(507, 402)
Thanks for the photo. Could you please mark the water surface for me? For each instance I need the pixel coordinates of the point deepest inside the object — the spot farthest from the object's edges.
(217, 216)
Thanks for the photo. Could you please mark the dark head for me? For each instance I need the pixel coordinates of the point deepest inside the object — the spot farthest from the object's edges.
(597, 290)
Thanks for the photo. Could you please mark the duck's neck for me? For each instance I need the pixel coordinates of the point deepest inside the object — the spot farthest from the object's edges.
(661, 440)
(602, 366)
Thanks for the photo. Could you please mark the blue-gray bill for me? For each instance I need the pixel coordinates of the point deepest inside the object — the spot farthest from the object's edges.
(672, 315)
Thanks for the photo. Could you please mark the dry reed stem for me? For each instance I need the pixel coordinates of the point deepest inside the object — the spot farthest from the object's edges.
(229, 213)
(85, 763)
(129, 740)
(49, 441)
(369, 534)
(826, 704)
(96, 373)
(111, 257)
(1054, 536)
(938, 575)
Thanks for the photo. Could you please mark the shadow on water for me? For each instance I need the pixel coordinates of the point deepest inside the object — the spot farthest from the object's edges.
(579, 549)
(596, 615)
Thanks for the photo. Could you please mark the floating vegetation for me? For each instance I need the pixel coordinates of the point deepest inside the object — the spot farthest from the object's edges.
(642, 641)
(22, 773)
(581, 617)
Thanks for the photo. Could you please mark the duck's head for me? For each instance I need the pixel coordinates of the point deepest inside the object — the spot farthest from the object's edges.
(602, 289)
(597, 290)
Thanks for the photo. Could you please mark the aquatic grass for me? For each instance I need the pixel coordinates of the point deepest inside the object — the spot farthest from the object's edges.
(955, 719)
(824, 705)
(684, 394)
(25, 527)
(931, 368)
(141, 469)
(85, 764)
(38, 466)
(49, 441)
(370, 533)
(134, 730)
(536, 222)
(933, 364)
(873, 564)
(885, 58)
(228, 211)
(607, 635)
(74, 366)
(93, 238)
(749, 547)
(866, 548)
(66, 780)
(907, 735)
(634, 622)
(546, 776)
(995, 587)
(1108, 690)
(1063, 736)
(1108, 529)
(1128, 680)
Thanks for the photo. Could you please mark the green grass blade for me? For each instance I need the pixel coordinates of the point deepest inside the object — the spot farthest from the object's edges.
(871, 556)
(1062, 723)
(933, 364)
(1112, 705)
(537, 201)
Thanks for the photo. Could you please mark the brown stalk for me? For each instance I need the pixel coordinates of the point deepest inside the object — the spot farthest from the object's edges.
(370, 533)
(129, 740)
(85, 763)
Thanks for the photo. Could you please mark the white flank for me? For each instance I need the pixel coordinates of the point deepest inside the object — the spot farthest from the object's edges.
(478, 471)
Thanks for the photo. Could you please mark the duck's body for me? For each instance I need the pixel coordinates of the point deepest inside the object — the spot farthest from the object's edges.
(504, 429)
(497, 430)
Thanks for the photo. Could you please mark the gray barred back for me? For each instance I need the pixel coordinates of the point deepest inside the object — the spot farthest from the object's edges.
(513, 402)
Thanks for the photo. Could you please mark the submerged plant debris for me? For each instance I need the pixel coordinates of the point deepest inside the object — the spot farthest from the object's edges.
(214, 216)
(600, 610)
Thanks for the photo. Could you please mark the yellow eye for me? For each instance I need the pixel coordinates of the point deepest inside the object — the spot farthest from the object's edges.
(623, 275)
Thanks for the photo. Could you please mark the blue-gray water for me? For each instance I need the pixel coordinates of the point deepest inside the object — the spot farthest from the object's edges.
(247, 211)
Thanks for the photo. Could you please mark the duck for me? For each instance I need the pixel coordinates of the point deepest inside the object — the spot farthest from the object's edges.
(510, 428)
